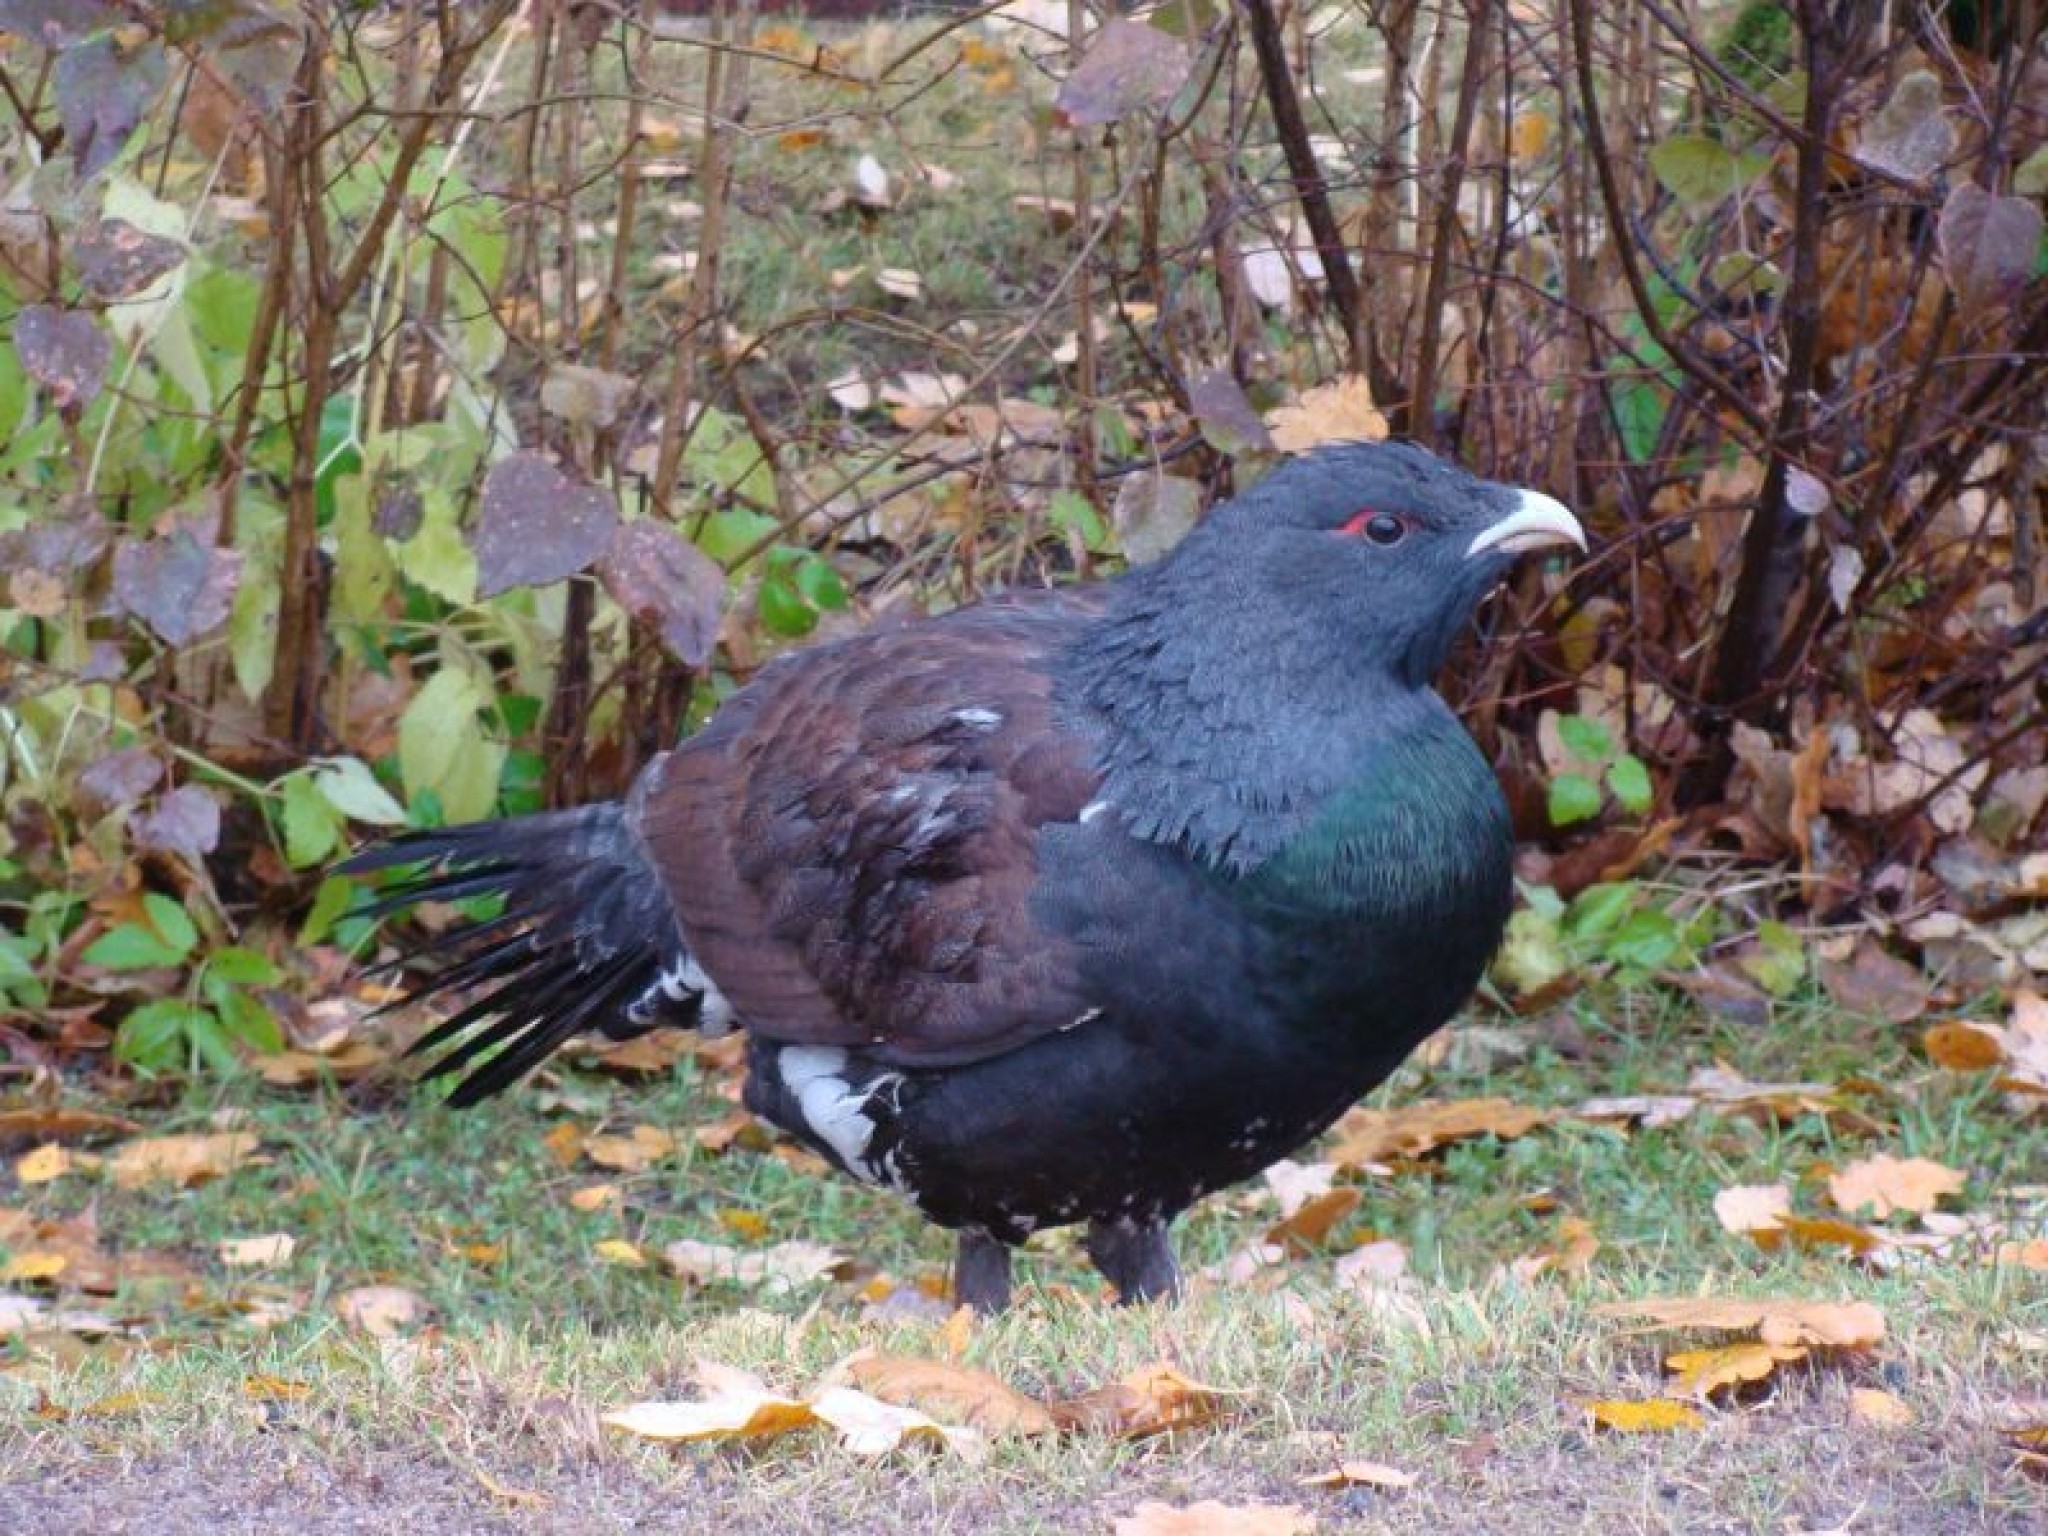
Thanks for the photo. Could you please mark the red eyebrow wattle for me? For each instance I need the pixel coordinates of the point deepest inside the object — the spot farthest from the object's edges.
(1355, 524)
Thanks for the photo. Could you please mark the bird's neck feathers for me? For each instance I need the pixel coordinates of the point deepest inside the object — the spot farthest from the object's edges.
(1265, 724)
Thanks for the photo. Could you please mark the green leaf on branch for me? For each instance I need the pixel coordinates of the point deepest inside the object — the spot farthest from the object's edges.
(1573, 798)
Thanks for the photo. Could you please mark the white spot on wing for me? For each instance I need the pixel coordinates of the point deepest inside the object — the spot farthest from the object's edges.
(977, 718)
(1093, 809)
(678, 984)
(833, 1108)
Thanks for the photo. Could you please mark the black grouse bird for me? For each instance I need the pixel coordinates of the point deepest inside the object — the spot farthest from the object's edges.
(1067, 906)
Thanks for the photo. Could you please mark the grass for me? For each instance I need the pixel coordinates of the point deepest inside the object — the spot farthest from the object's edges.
(493, 1411)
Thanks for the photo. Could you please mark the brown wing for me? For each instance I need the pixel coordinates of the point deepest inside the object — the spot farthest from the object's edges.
(850, 845)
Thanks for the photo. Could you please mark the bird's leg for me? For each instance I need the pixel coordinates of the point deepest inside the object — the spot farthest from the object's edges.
(981, 1272)
(1136, 1257)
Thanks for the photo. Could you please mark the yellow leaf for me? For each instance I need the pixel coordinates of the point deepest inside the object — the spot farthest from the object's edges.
(1867, 1405)
(639, 1149)
(751, 1225)
(595, 1197)
(1211, 1518)
(483, 1253)
(1832, 1324)
(1888, 1184)
(616, 1250)
(33, 1266)
(741, 1415)
(1529, 134)
(564, 1143)
(1657, 1415)
(47, 1162)
(1704, 1371)
(1339, 411)
(958, 1394)
(1376, 1135)
(249, 1252)
(1818, 1232)
(274, 1389)
(184, 1160)
(1361, 1474)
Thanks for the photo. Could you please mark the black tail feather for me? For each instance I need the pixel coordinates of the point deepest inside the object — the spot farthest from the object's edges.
(584, 938)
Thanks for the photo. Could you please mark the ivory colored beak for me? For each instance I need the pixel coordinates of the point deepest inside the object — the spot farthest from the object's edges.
(1537, 522)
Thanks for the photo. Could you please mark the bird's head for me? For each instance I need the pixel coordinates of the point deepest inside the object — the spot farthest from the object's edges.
(1383, 540)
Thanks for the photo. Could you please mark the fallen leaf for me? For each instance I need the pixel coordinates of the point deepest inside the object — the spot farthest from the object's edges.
(1963, 1047)
(2032, 1254)
(1700, 1372)
(1149, 1401)
(1210, 1518)
(955, 1393)
(46, 1163)
(635, 1152)
(1818, 1232)
(1832, 1324)
(1572, 1252)
(868, 1426)
(381, 1311)
(1361, 1474)
(61, 1123)
(1752, 1207)
(251, 1252)
(616, 1250)
(1867, 1405)
(595, 1197)
(1887, 1184)
(34, 1266)
(785, 1266)
(739, 1415)
(1310, 1226)
(1658, 1415)
(274, 1389)
(1367, 1136)
(183, 1160)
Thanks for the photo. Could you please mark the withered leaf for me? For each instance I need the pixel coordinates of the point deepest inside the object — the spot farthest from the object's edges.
(1375, 1135)
(1988, 244)
(1339, 411)
(1886, 1184)
(1657, 1415)
(115, 260)
(1832, 1324)
(1752, 1207)
(1151, 1400)
(184, 821)
(957, 1394)
(65, 351)
(660, 577)
(381, 1311)
(178, 586)
(1701, 1372)
(186, 1159)
(536, 525)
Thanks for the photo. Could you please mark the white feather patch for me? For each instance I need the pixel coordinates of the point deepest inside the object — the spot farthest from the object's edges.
(831, 1106)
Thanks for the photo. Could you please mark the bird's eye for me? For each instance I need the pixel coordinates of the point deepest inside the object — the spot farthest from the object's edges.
(1382, 528)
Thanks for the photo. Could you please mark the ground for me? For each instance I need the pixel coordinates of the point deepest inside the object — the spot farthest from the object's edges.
(482, 1411)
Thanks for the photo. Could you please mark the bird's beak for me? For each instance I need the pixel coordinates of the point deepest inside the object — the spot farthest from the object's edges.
(1537, 522)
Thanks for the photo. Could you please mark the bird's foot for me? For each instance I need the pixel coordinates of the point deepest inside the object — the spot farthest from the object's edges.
(1136, 1257)
(981, 1272)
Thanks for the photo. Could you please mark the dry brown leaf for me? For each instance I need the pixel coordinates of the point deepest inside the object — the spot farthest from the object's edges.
(381, 1311)
(1833, 1324)
(1963, 1047)
(1867, 1405)
(57, 1122)
(564, 1143)
(274, 1389)
(183, 1160)
(957, 1394)
(635, 1152)
(1886, 1184)
(1819, 1232)
(1310, 1226)
(1874, 983)
(595, 1197)
(1658, 1415)
(1361, 1474)
(1649, 1110)
(1700, 1372)
(1295, 1184)
(1367, 1136)
(1752, 1207)
(1211, 1518)
(254, 1252)
(1149, 1401)
(1339, 411)
(2032, 1254)
(349, 1060)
